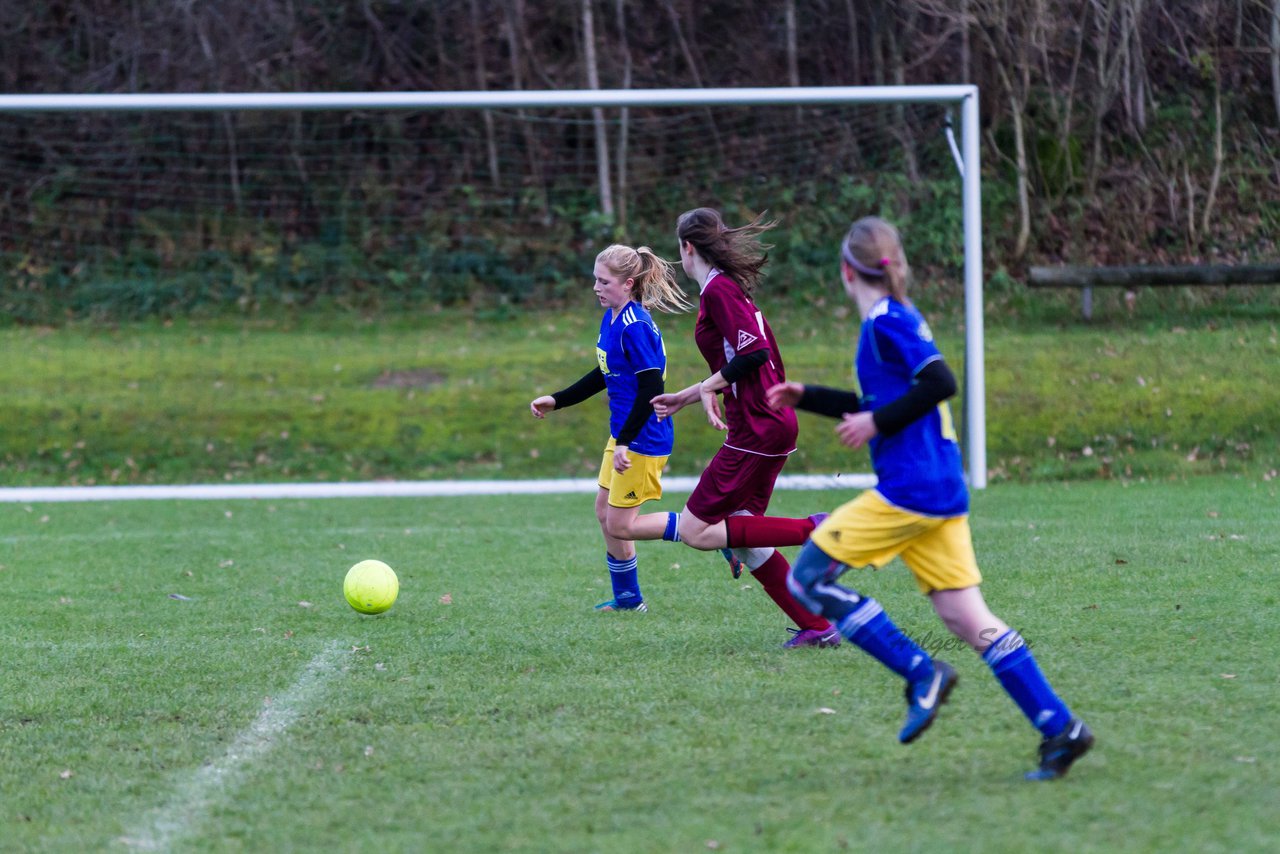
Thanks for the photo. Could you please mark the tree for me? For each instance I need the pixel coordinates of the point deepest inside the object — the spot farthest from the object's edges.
(1013, 32)
(597, 113)
(1275, 55)
(624, 118)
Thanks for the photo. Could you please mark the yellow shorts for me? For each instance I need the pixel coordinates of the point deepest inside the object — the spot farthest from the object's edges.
(638, 484)
(869, 531)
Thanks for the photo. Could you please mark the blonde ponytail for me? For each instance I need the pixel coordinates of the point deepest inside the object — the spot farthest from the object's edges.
(873, 248)
(654, 278)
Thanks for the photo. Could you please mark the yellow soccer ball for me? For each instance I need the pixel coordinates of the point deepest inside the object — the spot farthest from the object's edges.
(371, 587)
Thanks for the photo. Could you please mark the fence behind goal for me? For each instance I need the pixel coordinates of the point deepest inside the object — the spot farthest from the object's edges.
(127, 207)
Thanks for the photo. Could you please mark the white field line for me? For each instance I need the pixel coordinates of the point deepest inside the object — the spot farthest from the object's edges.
(381, 489)
(193, 796)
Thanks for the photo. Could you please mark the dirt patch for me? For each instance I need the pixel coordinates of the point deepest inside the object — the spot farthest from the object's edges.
(412, 378)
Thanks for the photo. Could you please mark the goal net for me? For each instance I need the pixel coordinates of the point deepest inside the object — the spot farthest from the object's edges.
(130, 208)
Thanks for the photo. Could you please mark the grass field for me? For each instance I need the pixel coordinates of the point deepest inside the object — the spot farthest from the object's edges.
(427, 396)
(492, 710)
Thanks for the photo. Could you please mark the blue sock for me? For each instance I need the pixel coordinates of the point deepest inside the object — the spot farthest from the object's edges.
(868, 627)
(626, 582)
(1015, 667)
(672, 534)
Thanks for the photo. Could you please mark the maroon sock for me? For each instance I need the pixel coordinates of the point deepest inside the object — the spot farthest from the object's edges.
(754, 532)
(772, 576)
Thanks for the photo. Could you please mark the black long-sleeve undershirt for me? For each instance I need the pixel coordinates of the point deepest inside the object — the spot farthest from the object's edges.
(832, 402)
(743, 364)
(933, 384)
(649, 385)
(592, 383)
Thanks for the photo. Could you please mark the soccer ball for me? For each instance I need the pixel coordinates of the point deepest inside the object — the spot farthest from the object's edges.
(371, 587)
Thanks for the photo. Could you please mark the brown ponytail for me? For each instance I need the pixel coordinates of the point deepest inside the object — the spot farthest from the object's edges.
(736, 252)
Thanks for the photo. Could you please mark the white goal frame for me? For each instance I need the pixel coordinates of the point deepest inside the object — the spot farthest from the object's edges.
(965, 97)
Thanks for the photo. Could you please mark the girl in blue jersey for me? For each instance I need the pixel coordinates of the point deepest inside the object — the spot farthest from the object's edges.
(918, 510)
(631, 363)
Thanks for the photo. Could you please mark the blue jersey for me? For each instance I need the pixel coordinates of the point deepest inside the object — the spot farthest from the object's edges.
(919, 468)
(629, 344)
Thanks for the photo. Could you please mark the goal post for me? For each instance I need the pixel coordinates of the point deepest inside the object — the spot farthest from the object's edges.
(963, 98)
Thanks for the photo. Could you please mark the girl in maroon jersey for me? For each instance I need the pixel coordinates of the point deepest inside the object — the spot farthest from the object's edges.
(726, 508)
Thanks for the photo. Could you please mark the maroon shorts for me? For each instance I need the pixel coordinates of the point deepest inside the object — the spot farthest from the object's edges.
(734, 480)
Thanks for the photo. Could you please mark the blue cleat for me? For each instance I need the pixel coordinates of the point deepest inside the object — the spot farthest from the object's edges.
(612, 605)
(735, 565)
(924, 698)
(1057, 753)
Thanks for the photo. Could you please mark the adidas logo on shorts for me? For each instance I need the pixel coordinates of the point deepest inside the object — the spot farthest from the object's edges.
(632, 496)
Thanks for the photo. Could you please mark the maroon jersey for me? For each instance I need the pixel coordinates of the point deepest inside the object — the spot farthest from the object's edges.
(728, 324)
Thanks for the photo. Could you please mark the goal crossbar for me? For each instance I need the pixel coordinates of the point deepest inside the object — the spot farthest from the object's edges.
(965, 97)
(485, 99)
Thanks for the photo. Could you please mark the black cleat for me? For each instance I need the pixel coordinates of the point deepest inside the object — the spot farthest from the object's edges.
(735, 565)
(1057, 753)
(924, 698)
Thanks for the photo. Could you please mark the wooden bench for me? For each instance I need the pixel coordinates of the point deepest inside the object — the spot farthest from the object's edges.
(1089, 278)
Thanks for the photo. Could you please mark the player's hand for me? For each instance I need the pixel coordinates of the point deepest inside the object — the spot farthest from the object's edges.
(856, 429)
(711, 406)
(542, 405)
(666, 405)
(621, 458)
(783, 395)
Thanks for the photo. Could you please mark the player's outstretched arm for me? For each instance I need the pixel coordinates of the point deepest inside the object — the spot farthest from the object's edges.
(540, 406)
(934, 383)
(832, 402)
(784, 395)
(668, 404)
(856, 429)
(708, 391)
(592, 383)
